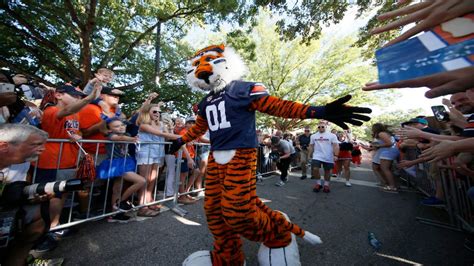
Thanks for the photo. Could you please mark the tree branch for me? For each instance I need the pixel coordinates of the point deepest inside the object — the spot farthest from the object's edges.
(18, 69)
(40, 39)
(73, 14)
(130, 86)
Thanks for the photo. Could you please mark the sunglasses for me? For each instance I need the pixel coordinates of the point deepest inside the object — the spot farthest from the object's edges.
(155, 112)
(321, 126)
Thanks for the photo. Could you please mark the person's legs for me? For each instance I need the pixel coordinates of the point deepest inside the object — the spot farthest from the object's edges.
(378, 173)
(284, 166)
(303, 162)
(347, 171)
(147, 171)
(170, 160)
(138, 182)
(385, 167)
(23, 242)
(315, 170)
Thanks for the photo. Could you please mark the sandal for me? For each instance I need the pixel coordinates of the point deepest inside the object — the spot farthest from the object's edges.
(390, 190)
(146, 212)
(156, 207)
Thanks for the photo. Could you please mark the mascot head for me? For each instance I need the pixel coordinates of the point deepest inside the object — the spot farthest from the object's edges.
(213, 67)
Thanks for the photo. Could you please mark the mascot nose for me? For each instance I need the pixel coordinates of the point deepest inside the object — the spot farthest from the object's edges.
(204, 75)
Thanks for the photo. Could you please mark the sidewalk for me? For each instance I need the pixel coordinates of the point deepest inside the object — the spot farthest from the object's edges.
(341, 218)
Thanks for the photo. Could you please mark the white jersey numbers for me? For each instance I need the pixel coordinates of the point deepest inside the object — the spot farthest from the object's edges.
(216, 117)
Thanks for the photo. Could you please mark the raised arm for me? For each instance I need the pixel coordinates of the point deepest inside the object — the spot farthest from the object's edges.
(336, 112)
(77, 106)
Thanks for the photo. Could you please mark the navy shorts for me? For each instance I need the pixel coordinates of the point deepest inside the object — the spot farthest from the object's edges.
(325, 165)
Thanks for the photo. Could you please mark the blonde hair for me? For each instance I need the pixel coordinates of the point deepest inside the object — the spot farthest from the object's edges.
(144, 115)
(104, 71)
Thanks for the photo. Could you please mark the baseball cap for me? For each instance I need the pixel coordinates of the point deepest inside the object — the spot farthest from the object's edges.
(416, 120)
(306, 128)
(275, 140)
(111, 91)
(73, 91)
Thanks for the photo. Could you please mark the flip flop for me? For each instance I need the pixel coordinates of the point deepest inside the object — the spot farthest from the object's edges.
(146, 212)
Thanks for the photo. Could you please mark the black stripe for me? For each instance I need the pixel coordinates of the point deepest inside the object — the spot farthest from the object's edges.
(56, 186)
(40, 188)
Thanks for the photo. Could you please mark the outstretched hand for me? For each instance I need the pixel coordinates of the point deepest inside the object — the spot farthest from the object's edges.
(339, 113)
(428, 14)
(439, 84)
(176, 145)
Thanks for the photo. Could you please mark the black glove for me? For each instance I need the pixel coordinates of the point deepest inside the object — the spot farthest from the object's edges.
(176, 145)
(339, 113)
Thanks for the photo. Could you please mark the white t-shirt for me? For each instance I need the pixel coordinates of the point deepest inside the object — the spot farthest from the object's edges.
(322, 146)
(16, 172)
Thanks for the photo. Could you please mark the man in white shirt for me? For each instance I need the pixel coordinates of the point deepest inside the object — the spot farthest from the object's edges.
(324, 148)
(19, 145)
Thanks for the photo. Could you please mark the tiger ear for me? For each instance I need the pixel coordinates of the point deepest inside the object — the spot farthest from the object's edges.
(222, 47)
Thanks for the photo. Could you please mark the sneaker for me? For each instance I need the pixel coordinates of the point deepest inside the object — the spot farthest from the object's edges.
(46, 245)
(326, 189)
(348, 184)
(125, 205)
(334, 175)
(390, 190)
(64, 233)
(432, 201)
(119, 218)
(317, 188)
(280, 183)
(200, 195)
(303, 177)
(46, 262)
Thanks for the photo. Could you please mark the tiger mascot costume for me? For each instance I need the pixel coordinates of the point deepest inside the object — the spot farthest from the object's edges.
(231, 204)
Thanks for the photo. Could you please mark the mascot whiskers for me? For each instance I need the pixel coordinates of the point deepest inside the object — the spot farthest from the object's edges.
(231, 204)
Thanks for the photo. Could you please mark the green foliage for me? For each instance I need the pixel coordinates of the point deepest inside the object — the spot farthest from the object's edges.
(56, 41)
(316, 73)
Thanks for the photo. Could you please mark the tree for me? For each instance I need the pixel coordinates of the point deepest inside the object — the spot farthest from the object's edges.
(316, 73)
(58, 41)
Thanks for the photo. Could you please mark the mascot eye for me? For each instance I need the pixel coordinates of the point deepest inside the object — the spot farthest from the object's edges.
(191, 70)
(208, 59)
(196, 63)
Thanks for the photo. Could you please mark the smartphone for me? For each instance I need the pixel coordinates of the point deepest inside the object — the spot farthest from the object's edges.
(440, 113)
(7, 87)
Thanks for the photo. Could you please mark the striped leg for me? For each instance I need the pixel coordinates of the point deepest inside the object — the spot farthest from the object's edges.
(227, 249)
(242, 209)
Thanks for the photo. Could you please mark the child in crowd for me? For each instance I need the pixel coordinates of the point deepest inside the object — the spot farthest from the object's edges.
(120, 164)
(150, 157)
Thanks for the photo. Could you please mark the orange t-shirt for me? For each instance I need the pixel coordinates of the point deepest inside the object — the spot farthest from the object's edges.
(189, 146)
(89, 116)
(57, 128)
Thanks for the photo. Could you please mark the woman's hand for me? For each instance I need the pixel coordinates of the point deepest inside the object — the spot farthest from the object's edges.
(427, 14)
(409, 133)
(442, 150)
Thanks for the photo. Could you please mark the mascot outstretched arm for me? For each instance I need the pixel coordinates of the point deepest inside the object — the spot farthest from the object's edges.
(228, 112)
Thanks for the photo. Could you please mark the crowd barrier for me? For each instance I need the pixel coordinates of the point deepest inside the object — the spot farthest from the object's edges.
(94, 202)
(458, 206)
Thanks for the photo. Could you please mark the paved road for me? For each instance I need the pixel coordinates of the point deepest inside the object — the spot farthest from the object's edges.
(341, 218)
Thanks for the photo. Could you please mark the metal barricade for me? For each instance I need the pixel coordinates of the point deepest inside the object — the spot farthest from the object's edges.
(94, 203)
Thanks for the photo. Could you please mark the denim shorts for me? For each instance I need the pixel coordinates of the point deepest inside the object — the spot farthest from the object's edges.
(325, 165)
(390, 154)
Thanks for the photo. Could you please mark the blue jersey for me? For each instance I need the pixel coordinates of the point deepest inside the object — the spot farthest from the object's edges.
(231, 122)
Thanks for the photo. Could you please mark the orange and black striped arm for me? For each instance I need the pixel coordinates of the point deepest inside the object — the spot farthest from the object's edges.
(197, 130)
(282, 108)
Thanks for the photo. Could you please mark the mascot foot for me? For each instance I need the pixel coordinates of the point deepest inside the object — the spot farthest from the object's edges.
(312, 238)
(288, 256)
(199, 258)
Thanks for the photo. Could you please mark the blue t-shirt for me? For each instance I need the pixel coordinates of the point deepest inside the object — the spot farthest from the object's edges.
(231, 122)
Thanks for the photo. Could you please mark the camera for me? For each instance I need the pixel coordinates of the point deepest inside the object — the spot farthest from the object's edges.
(440, 113)
(274, 156)
(16, 194)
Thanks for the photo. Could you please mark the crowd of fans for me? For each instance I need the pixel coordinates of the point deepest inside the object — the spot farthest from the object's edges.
(131, 160)
(30, 113)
